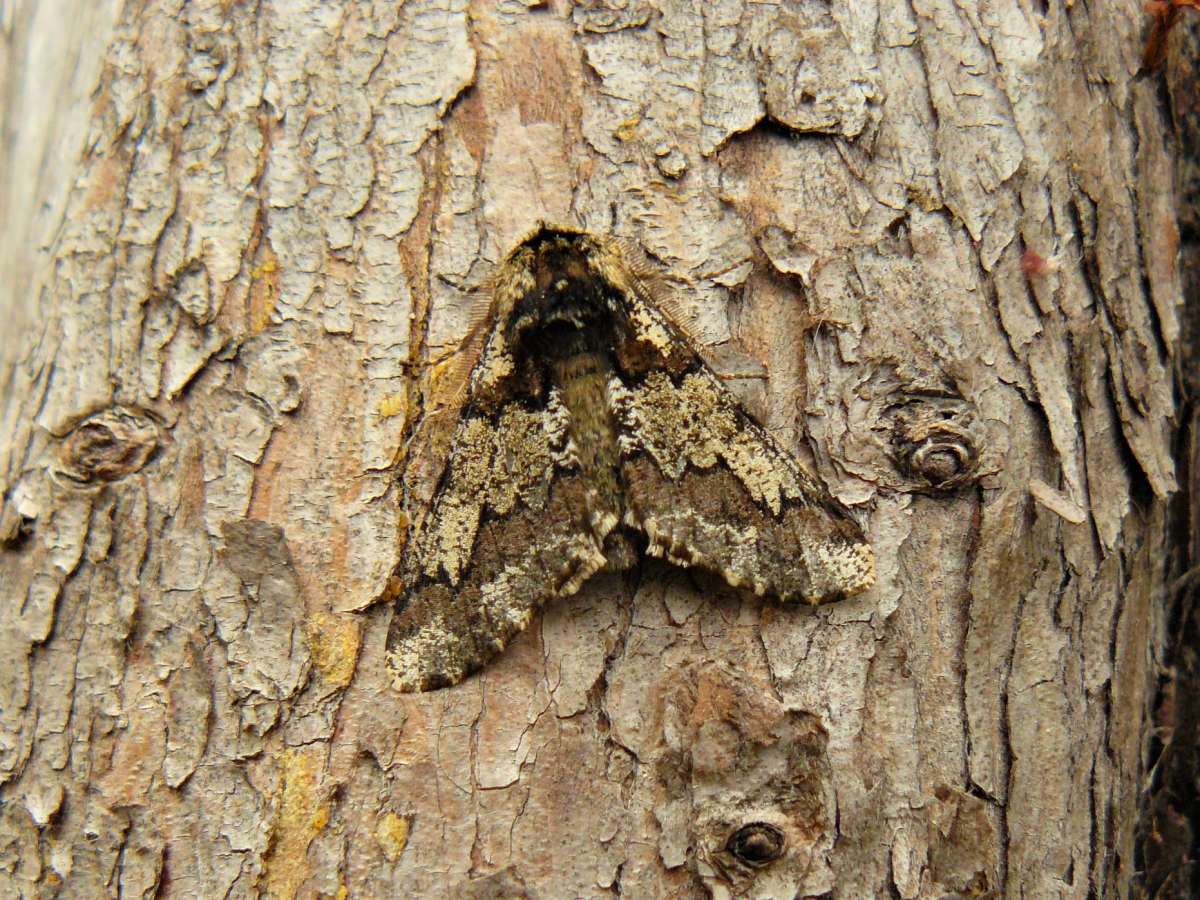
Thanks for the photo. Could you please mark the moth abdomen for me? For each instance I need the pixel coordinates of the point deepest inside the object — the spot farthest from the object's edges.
(582, 382)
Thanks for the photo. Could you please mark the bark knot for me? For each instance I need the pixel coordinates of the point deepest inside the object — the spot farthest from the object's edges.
(107, 446)
(757, 844)
(935, 446)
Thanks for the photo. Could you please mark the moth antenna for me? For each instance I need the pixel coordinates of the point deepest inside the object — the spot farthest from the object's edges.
(681, 318)
(454, 366)
(468, 355)
(657, 287)
(481, 310)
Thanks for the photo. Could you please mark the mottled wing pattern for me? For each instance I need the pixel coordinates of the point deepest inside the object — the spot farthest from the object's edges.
(506, 534)
(710, 487)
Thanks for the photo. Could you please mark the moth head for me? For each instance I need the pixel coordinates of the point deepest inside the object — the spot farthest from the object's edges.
(565, 308)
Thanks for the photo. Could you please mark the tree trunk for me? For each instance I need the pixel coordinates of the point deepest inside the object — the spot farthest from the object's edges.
(933, 248)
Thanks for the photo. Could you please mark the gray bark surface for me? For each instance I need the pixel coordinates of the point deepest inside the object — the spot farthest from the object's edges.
(932, 245)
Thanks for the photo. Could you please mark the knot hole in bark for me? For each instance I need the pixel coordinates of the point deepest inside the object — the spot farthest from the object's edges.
(107, 446)
(756, 844)
(933, 443)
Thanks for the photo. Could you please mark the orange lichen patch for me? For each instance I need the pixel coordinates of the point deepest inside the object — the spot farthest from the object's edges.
(264, 292)
(334, 641)
(538, 67)
(138, 754)
(392, 834)
(392, 405)
(192, 488)
(105, 180)
(303, 812)
(721, 698)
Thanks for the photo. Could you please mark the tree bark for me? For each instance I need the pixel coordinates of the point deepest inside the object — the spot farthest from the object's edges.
(932, 246)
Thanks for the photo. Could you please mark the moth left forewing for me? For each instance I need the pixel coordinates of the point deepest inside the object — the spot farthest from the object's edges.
(708, 485)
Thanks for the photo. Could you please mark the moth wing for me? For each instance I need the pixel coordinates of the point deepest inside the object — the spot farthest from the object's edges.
(710, 487)
(507, 533)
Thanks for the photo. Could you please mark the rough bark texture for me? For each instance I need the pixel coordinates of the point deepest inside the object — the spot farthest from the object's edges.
(242, 241)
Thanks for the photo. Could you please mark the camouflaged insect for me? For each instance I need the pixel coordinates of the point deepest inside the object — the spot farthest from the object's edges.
(592, 432)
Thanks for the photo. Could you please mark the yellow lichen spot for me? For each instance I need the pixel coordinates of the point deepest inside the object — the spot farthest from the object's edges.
(627, 130)
(392, 405)
(334, 641)
(264, 292)
(268, 266)
(392, 834)
(320, 818)
(301, 816)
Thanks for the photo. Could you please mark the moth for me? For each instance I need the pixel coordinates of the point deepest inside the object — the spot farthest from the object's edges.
(592, 432)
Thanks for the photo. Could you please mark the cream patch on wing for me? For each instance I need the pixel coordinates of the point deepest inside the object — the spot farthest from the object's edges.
(710, 431)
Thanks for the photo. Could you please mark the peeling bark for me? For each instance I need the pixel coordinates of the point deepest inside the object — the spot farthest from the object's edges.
(245, 242)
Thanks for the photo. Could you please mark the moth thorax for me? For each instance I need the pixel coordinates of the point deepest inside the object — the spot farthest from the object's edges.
(562, 318)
